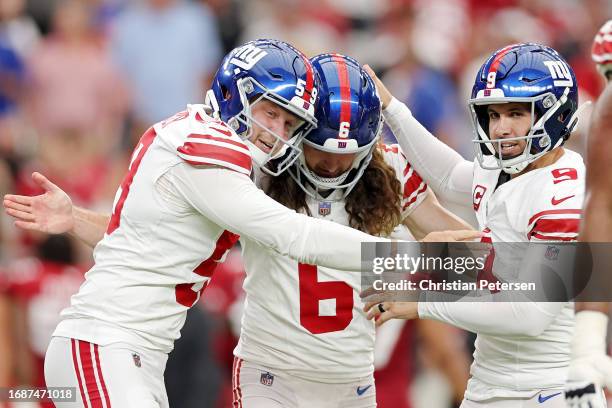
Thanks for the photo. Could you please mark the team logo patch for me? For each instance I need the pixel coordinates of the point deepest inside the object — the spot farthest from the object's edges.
(266, 379)
(136, 358)
(479, 192)
(324, 208)
(552, 253)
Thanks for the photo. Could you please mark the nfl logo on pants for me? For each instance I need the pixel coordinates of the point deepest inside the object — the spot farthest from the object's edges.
(267, 379)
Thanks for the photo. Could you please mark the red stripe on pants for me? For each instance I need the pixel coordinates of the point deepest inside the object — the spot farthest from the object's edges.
(77, 371)
(91, 385)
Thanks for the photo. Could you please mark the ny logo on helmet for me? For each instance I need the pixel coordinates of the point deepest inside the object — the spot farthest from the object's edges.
(560, 72)
(246, 57)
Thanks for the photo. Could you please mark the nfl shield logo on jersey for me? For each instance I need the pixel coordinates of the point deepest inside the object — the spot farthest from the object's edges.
(267, 379)
(324, 208)
(552, 253)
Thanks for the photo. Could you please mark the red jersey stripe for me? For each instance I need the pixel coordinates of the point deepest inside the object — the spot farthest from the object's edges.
(553, 212)
(217, 139)
(552, 238)
(547, 225)
(225, 242)
(197, 151)
(413, 199)
(143, 145)
(412, 184)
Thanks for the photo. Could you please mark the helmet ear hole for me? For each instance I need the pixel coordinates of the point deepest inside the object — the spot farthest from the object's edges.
(483, 117)
(225, 92)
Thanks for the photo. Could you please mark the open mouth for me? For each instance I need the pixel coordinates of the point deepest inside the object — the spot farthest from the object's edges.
(264, 146)
(509, 149)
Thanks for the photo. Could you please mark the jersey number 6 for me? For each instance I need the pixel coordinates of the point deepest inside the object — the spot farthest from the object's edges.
(312, 291)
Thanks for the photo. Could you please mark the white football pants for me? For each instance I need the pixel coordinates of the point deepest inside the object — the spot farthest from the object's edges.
(543, 399)
(114, 376)
(256, 386)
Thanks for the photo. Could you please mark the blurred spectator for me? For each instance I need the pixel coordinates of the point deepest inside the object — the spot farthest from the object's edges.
(229, 16)
(12, 85)
(223, 301)
(168, 50)
(74, 84)
(6, 228)
(18, 29)
(76, 104)
(106, 12)
(393, 363)
(192, 375)
(291, 21)
(12, 75)
(6, 362)
(441, 348)
(422, 79)
(40, 288)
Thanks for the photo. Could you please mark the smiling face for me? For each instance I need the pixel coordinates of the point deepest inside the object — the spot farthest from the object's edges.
(276, 119)
(509, 120)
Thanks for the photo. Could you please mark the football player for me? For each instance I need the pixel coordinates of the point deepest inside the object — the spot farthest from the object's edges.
(401, 193)
(590, 367)
(185, 198)
(524, 187)
(305, 340)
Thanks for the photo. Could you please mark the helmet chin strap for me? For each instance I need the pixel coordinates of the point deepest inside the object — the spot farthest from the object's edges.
(516, 168)
(211, 104)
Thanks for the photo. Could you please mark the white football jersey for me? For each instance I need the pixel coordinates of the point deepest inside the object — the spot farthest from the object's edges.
(308, 320)
(541, 205)
(144, 279)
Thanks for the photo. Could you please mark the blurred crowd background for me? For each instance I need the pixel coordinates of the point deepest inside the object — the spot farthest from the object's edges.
(81, 79)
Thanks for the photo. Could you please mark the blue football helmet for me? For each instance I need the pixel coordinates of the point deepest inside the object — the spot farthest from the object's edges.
(530, 73)
(349, 120)
(266, 70)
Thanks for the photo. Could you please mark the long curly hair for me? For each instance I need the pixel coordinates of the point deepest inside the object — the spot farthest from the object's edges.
(373, 206)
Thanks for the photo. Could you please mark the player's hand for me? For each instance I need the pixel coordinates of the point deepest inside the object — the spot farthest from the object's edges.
(587, 376)
(50, 212)
(452, 236)
(601, 52)
(391, 310)
(383, 92)
(590, 368)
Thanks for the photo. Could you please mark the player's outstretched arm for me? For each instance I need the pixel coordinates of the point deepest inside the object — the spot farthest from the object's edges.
(53, 213)
(449, 174)
(504, 314)
(231, 200)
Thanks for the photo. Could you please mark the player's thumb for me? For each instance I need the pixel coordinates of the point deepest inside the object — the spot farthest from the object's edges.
(44, 182)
